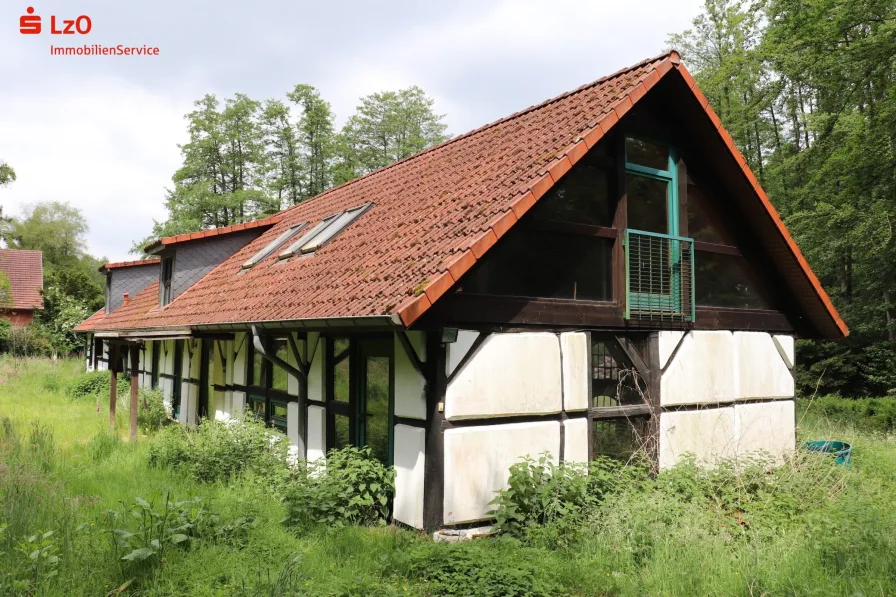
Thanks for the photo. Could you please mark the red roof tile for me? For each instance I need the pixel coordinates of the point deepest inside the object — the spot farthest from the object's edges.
(433, 216)
(120, 264)
(170, 240)
(26, 276)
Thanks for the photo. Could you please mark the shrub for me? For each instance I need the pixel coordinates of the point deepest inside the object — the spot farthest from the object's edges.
(551, 500)
(478, 568)
(350, 487)
(217, 450)
(151, 413)
(89, 385)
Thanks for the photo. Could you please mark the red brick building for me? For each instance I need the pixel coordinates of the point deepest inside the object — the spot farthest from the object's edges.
(26, 276)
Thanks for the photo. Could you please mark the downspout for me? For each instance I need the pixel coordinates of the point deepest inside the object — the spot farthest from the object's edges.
(300, 373)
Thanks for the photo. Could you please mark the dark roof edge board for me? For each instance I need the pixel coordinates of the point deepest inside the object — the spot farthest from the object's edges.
(156, 246)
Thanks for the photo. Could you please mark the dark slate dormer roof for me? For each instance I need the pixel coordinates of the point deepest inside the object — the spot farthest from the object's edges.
(26, 276)
(435, 214)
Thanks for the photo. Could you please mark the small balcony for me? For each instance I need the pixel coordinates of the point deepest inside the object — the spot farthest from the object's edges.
(659, 277)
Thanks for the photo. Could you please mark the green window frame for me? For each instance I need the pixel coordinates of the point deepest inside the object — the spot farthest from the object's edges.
(669, 243)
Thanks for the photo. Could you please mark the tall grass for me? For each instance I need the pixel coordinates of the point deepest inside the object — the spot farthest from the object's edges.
(809, 529)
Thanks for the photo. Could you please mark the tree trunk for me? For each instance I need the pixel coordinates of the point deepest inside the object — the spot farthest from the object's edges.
(135, 363)
(891, 331)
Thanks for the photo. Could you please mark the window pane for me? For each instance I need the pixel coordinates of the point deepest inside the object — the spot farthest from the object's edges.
(581, 197)
(619, 438)
(722, 281)
(341, 373)
(278, 414)
(258, 406)
(703, 222)
(647, 203)
(376, 425)
(613, 383)
(341, 437)
(646, 154)
(279, 377)
(543, 264)
(258, 369)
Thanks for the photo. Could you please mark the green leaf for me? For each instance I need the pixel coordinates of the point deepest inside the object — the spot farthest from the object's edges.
(179, 538)
(138, 555)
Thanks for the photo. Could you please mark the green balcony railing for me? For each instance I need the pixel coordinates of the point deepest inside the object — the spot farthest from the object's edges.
(659, 277)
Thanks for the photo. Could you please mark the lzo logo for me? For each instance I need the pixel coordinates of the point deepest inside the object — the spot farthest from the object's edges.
(30, 24)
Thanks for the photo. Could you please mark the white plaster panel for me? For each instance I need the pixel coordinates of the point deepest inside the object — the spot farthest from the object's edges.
(458, 349)
(239, 404)
(511, 374)
(294, 427)
(478, 461)
(240, 358)
(787, 345)
(707, 434)
(759, 370)
(410, 385)
(765, 427)
(575, 351)
(410, 451)
(316, 373)
(317, 433)
(668, 340)
(575, 440)
(701, 372)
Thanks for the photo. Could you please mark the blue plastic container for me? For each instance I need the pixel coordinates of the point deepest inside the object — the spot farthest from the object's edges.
(842, 451)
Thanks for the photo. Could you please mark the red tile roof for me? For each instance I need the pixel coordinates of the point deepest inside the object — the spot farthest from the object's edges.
(170, 240)
(433, 216)
(26, 276)
(120, 264)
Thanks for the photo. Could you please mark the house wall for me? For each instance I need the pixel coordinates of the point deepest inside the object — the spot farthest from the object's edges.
(18, 316)
(725, 395)
(193, 260)
(129, 280)
(166, 370)
(535, 375)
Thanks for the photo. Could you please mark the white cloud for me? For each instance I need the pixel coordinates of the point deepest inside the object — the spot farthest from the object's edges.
(105, 145)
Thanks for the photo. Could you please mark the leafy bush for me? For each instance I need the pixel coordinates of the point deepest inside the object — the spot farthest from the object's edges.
(218, 450)
(551, 500)
(478, 568)
(151, 413)
(350, 487)
(51, 382)
(89, 385)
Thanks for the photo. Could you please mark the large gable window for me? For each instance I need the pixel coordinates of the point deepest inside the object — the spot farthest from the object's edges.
(563, 249)
(267, 395)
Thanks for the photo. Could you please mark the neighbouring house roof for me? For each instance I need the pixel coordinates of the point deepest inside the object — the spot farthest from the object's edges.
(122, 264)
(171, 240)
(435, 214)
(26, 276)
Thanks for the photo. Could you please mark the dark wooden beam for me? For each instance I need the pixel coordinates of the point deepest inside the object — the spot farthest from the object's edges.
(717, 318)
(625, 344)
(474, 347)
(434, 463)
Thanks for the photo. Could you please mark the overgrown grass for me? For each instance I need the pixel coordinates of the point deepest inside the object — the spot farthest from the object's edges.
(808, 529)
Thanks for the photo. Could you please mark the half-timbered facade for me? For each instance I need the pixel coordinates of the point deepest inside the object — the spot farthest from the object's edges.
(595, 275)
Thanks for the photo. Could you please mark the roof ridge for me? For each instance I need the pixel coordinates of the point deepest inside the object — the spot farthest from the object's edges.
(493, 124)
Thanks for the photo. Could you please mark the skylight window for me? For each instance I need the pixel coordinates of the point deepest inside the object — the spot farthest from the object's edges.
(324, 231)
(274, 245)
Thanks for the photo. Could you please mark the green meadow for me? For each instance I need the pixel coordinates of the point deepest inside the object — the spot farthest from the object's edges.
(77, 502)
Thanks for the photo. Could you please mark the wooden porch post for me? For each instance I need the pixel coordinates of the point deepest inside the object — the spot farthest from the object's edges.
(135, 364)
(114, 364)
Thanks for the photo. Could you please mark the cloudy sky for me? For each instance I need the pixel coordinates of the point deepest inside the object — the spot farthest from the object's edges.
(102, 132)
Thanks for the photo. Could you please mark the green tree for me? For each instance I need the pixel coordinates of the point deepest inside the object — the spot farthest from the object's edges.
(387, 127)
(316, 138)
(284, 171)
(54, 227)
(7, 174)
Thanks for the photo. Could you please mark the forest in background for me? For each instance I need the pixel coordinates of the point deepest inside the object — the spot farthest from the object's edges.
(807, 90)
